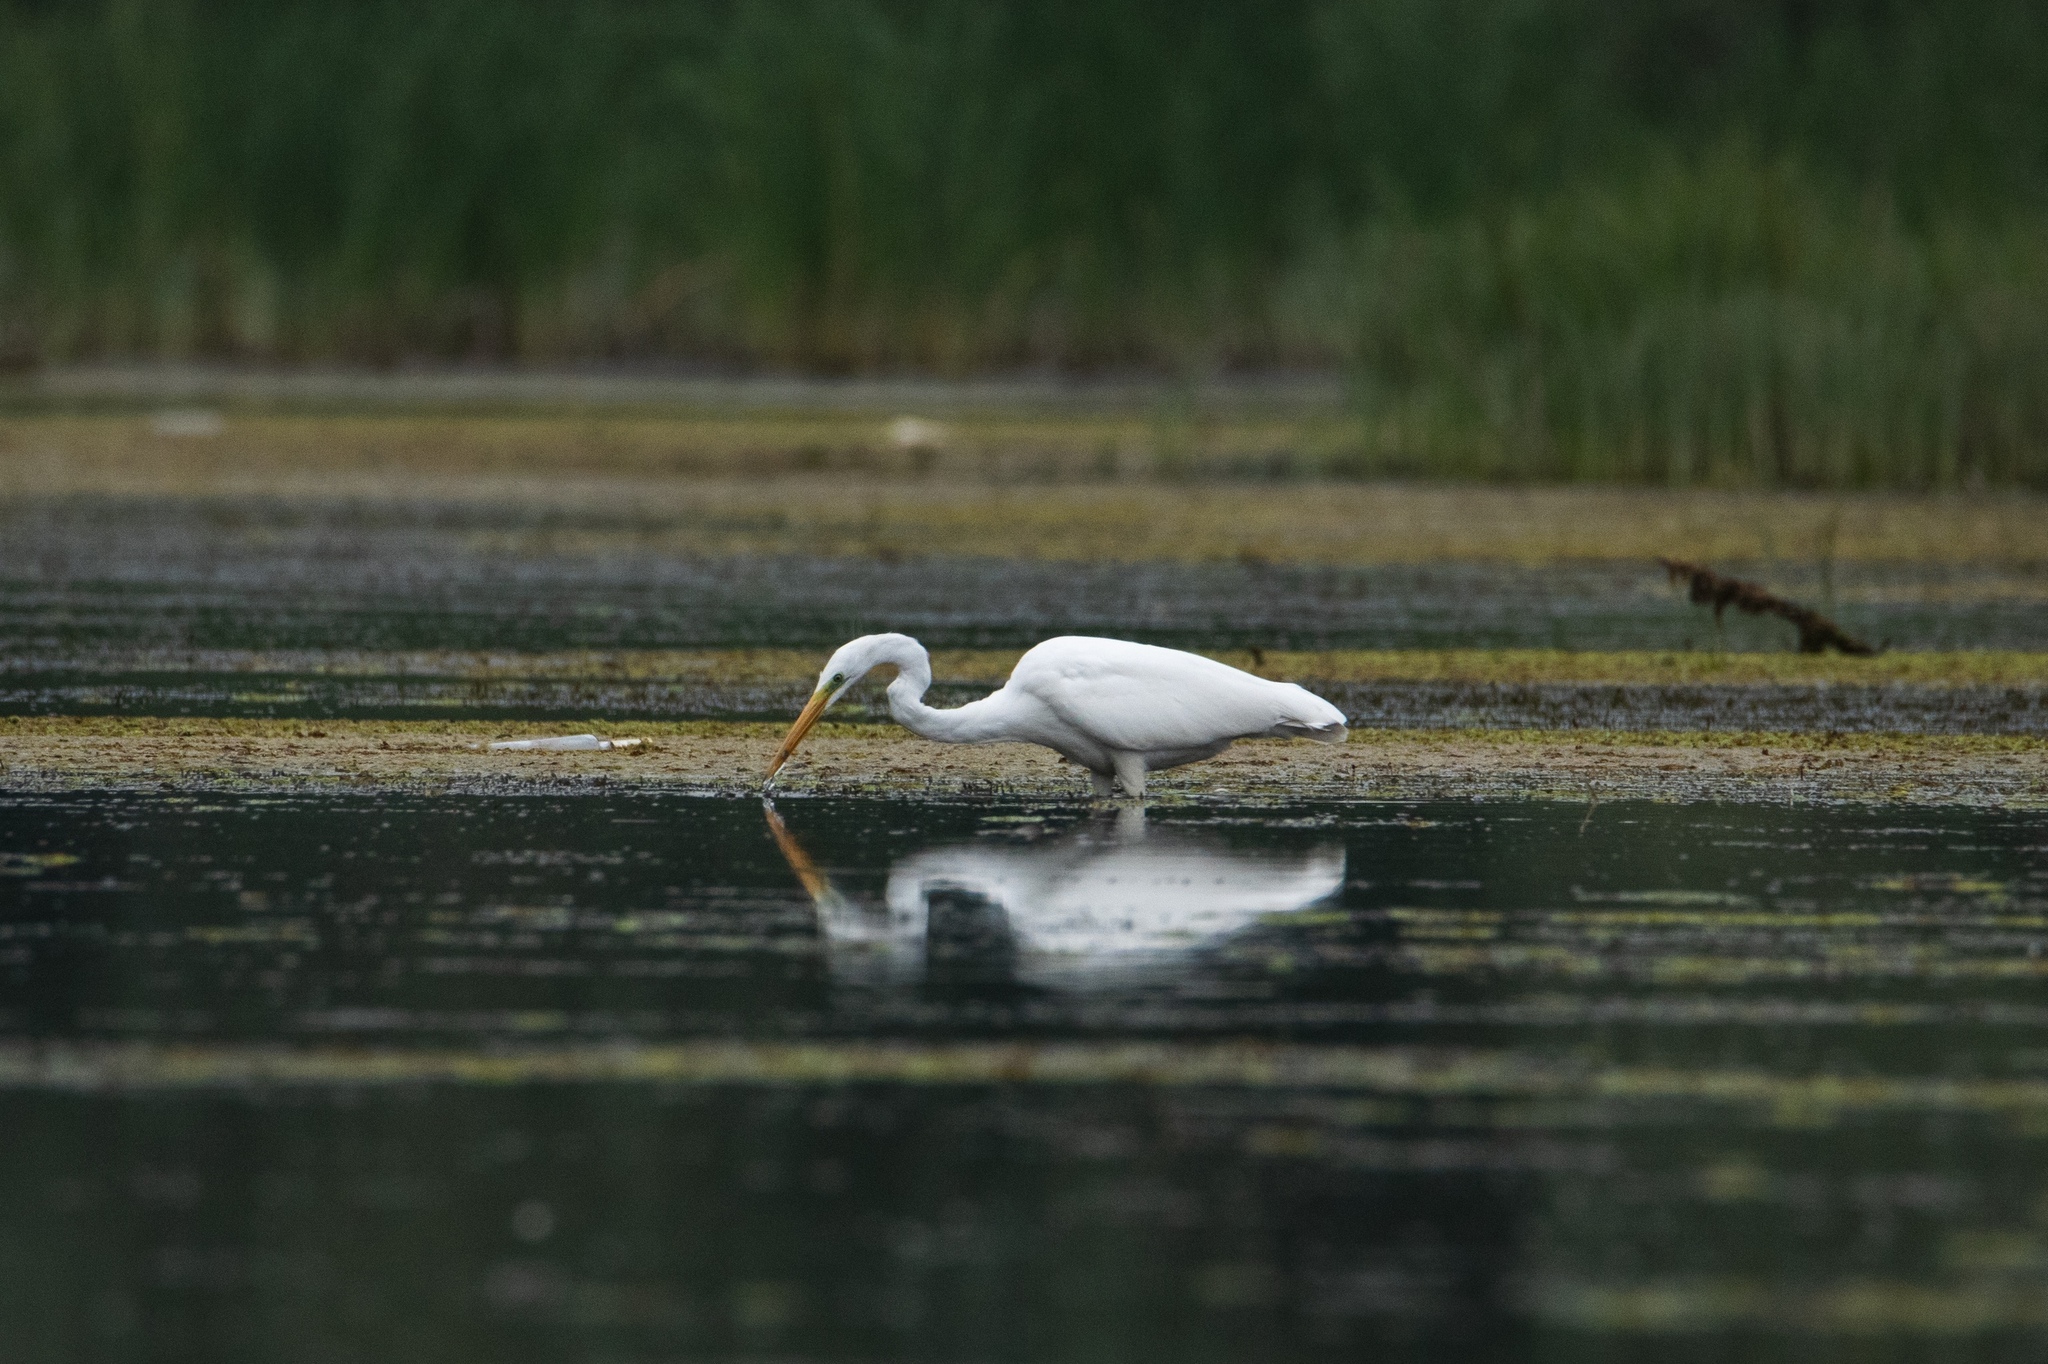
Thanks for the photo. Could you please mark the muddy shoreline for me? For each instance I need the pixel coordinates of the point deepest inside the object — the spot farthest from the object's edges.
(1916, 693)
(70, 753)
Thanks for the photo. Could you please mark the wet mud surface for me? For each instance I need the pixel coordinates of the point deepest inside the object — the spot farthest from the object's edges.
(658, 1075)
(841, 760)
(1397, 705)
(1955, 693)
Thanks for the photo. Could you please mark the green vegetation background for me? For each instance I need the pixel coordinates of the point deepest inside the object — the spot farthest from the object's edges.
(1738, 241)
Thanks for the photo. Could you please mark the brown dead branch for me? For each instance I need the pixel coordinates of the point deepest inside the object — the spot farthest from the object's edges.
(1817, 634)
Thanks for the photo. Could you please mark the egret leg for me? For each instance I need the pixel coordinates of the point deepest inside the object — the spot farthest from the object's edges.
(1104, 787)
(1130, 771)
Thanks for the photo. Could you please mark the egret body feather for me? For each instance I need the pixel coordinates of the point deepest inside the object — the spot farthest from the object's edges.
(1116, 708)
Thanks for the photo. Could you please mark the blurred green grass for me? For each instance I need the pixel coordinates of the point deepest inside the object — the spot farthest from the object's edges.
(1736, 242)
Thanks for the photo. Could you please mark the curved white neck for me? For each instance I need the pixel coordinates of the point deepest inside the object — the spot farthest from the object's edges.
(969, 724)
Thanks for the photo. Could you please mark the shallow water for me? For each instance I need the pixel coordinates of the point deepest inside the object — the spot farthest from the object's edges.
(85, 574)
(95, 594)
(631, 1076)
(420, 593)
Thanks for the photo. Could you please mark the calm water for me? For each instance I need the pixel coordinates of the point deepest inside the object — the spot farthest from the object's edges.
(631, 1077)
(422, 594)
(84, 575)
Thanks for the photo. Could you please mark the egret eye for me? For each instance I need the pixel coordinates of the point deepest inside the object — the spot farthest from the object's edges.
(837, 678)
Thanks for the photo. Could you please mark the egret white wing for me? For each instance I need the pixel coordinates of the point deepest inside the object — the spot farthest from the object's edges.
(1142, 698)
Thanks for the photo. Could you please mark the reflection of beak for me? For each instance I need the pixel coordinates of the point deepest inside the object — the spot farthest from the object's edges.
(820, 699)
(814, 881)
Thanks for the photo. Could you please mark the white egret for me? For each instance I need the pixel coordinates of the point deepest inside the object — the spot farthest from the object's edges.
(1116, 708)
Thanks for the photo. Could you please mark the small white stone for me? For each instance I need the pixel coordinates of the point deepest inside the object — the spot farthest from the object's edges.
(187, 422)
(916, 433)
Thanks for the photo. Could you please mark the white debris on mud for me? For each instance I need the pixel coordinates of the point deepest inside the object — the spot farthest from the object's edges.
(562, 743)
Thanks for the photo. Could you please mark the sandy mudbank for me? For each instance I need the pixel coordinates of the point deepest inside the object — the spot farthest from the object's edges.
(55, 753)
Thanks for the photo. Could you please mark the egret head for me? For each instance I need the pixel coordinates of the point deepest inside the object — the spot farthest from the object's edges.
(849, 664)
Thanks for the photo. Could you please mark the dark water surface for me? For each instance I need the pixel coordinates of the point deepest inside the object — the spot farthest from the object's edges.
(111, 606)
(422, 594)
(82, 574)
(633, 1077)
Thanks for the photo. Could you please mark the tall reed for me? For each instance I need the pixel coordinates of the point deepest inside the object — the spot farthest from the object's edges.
(1719, 320)
(1737, 240)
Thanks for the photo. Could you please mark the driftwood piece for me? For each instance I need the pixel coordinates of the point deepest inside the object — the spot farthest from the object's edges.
(1817, 634)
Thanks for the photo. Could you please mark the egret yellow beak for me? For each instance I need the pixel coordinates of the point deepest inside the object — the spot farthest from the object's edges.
(814, 708)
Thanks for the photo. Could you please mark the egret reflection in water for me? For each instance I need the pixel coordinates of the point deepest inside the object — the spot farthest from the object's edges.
(1089, 905)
